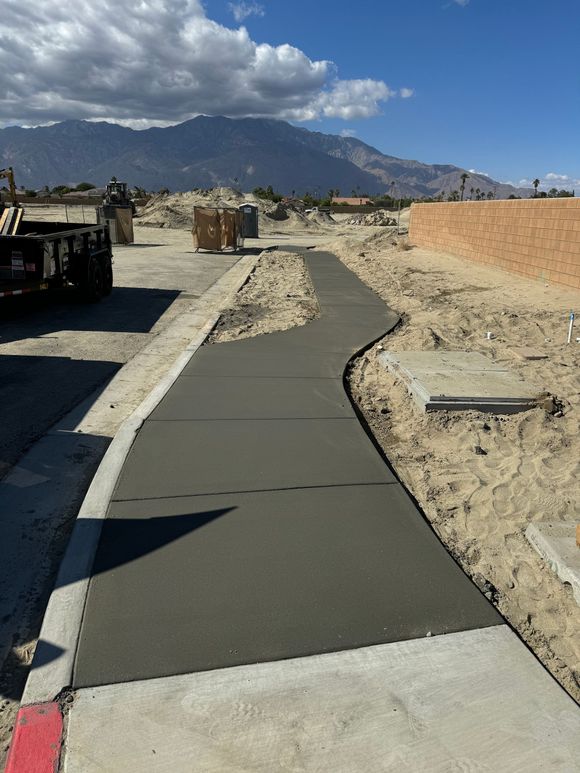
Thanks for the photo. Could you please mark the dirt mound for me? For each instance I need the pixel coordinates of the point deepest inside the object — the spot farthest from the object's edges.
(380, 217)
(283, 217)
(322, 218)
(175, 210)
(278, 211)
(277, 296)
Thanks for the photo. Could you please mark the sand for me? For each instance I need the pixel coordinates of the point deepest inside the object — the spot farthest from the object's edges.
(176, 210)
(479, 504)
(277, 296)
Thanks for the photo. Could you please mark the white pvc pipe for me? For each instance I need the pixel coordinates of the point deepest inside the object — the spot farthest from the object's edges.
(570, 327)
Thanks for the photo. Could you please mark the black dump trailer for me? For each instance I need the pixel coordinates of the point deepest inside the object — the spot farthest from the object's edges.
(44, 255)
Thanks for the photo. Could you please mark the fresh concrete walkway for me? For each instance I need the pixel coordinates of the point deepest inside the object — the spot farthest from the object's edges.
(255, 521)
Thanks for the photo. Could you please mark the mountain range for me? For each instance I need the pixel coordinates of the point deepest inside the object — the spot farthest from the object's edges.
(205, 152)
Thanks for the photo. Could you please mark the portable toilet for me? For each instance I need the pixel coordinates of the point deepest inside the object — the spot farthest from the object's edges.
(249, 220)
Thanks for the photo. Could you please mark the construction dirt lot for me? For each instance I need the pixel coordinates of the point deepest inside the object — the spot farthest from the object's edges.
(479, 479)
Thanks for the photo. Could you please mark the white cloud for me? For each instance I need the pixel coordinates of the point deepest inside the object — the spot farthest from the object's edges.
(462, 3)
(348, 133)
(551, 180)
(406, 93)
(169, 62)
(352, 99)
(242, 10)
(474, 171)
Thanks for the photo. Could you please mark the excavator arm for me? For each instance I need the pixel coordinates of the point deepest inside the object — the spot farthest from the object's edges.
(10, 217)
(8, 173)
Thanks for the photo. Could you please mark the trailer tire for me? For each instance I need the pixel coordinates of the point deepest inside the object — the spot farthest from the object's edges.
(107, 276)
(93, 290)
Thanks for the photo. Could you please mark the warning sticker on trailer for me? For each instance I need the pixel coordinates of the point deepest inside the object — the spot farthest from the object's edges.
(17, 265)
(18, 260)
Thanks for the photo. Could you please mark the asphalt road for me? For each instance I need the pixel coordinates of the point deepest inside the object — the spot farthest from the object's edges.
(56, 355)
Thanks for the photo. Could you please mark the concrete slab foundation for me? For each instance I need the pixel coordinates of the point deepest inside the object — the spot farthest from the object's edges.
(528, 353)
(470, 701)
(458, 381)
(556, 542)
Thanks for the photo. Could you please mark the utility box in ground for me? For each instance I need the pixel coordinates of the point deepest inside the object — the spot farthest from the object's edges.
(249, 220)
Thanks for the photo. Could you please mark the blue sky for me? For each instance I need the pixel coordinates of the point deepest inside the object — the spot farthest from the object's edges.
(496, 82)
(488, 85)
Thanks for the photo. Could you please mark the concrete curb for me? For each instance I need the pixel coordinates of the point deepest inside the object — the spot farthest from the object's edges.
(59, 634)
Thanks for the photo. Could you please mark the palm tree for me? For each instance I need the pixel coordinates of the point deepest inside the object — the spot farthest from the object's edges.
(464, 177)
(535, 184)
(472, 191)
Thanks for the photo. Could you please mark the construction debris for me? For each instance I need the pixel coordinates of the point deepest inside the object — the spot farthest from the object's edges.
(380, 217)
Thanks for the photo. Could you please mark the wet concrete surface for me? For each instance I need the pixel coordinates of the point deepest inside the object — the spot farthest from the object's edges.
(255, 520)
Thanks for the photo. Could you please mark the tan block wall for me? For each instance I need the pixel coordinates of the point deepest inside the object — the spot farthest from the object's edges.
(537, 238)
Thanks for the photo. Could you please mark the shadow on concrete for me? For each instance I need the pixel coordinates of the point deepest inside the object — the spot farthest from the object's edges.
(123, 540)
(143, 246)
(126, 310)
(35, 392)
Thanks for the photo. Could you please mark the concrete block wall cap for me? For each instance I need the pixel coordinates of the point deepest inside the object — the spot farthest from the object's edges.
(63, 617)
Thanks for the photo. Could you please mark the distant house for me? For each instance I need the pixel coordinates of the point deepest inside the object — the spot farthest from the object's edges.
(92, 193)
(353, 202)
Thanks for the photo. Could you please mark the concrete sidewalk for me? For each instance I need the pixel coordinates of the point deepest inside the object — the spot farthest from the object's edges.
(255, 521)
(265, 595)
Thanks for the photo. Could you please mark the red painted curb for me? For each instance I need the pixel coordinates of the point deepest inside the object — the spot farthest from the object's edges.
(36, 740)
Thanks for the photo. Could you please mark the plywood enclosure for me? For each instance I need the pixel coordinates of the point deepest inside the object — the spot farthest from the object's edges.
(217, 229)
